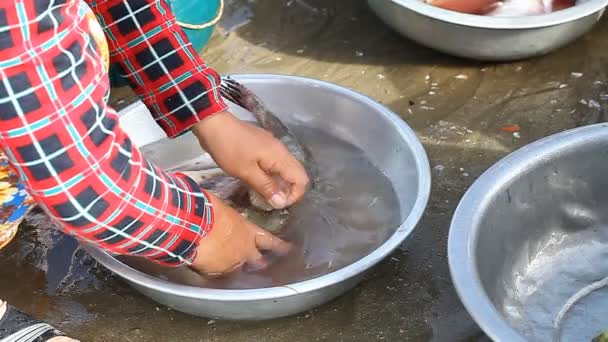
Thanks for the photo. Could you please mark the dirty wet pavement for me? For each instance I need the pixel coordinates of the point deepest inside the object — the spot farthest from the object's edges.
(456, 107)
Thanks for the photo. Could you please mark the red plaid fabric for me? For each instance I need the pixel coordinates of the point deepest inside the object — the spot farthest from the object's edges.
(66, 143)
(154, 54)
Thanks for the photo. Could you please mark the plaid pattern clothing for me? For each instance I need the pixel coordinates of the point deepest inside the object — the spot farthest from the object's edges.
(65, 142)
(154, 54)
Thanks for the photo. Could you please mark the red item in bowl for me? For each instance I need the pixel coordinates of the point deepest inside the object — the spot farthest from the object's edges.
(463, 6)
(563, 4)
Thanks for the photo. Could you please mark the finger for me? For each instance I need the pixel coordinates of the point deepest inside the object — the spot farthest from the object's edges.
(268, 242)
(256, 262)
(267, 186)
(228, 270)
(291, 171)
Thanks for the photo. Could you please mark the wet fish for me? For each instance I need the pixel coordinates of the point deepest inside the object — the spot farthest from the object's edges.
(249, 203)
(506, 8)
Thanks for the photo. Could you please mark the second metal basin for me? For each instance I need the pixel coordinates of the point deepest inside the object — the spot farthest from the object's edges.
(530, 233)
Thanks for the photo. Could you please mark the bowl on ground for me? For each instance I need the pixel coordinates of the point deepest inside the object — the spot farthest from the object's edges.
(488, 38)
(386, 140)
(530, 233)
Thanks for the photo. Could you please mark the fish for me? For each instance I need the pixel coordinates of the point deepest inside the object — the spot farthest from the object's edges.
(234, 192)
(463, 6)
(506, 8)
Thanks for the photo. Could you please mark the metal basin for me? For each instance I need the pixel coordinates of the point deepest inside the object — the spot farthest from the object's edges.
(488, 38)
(388, 142)
(530, 233)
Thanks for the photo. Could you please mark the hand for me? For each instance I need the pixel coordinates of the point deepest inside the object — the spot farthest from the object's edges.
(254, 156)
(234, 242)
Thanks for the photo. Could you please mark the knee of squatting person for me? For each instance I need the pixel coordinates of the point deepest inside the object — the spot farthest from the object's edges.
(67, 154)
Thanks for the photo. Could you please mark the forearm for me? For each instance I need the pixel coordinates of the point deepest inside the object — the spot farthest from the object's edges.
(68, 147)
(154, 54)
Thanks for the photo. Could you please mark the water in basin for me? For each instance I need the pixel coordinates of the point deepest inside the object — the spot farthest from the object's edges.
(352, 210)
(563, 265)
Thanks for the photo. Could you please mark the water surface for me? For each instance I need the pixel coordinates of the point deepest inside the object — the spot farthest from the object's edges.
(350, 211)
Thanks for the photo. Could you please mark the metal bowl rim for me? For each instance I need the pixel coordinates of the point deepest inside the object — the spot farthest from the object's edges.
(464, 229)
(504, 23)
(354, 269)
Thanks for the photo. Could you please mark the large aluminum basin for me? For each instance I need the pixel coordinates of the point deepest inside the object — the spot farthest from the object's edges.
(389, 143)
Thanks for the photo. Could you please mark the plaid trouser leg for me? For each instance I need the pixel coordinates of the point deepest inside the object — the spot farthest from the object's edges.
(68, 148)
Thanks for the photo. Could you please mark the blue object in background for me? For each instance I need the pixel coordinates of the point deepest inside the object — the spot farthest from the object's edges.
(197, 18)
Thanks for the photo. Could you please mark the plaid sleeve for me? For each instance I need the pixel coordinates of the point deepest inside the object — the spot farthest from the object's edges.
(67, 145)
(153, 53)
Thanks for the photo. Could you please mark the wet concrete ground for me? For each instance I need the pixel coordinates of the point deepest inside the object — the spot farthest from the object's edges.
(457, 108)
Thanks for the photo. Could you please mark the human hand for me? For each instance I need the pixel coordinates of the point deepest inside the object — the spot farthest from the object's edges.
(254, 156)
(234, 242)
